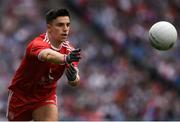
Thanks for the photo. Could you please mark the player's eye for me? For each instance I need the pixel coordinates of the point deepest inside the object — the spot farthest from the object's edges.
(68, 24)
(60, 24)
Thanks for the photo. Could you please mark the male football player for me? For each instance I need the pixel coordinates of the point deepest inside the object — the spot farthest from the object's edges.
(32, 92)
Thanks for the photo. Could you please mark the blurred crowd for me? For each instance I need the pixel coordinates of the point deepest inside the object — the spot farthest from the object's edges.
(115, 81)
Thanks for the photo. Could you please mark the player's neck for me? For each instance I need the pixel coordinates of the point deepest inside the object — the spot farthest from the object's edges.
(54, 43)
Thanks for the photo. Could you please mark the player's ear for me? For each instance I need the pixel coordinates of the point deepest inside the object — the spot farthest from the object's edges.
(49, 26)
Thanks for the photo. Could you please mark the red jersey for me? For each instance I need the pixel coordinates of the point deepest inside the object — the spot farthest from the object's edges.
(37, 78)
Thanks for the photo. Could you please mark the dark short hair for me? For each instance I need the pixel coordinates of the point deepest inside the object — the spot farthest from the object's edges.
(54, 13)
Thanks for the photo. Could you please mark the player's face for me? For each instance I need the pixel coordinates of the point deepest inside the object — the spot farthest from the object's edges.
(59, 28)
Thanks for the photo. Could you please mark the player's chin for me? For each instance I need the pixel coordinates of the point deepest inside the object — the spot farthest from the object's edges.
(73, 83)
(63, 39)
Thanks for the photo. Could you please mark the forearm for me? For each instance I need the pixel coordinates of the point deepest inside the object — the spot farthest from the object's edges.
(52, 56)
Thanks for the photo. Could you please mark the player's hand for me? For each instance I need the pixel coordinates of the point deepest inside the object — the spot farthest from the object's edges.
(74, 55)
(71, 74)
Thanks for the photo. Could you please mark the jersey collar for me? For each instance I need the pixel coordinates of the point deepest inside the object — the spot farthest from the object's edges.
(53, 47)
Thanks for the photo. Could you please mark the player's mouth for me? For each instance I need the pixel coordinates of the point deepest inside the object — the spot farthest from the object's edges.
(64, 35)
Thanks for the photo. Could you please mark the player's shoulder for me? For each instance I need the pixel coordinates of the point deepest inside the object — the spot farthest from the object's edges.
(42, 39)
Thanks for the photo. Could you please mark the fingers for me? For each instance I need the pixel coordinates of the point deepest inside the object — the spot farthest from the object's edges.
(76, 55)
(68, 74)
(75, 59)
(77, 50)
(71, 73)
(71, 70)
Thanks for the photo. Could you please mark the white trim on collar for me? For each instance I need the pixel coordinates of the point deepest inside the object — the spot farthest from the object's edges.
(54, 48)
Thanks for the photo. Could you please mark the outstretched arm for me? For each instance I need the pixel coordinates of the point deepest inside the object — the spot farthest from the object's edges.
(52, 56)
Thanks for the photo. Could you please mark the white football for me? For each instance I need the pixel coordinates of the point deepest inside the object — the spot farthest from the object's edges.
(162, 35)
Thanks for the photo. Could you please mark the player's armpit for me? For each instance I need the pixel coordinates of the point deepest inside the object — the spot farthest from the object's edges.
(52, 56)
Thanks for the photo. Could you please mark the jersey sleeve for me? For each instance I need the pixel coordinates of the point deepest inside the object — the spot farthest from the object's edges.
(34, 49)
